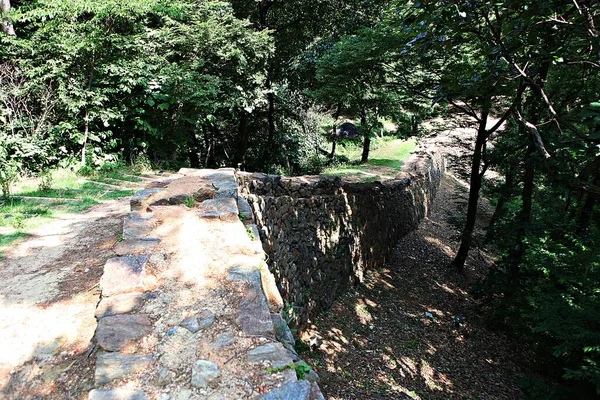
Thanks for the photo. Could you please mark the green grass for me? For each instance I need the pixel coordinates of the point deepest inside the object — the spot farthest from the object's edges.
(19, 216)
(386, 157)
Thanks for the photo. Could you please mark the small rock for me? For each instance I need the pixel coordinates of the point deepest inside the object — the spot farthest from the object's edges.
(428, 315)
(272, 352)
(300, 390)
(223, 339)
(117, 394)
(191, 324)
(205, 374)
(164, 377)
(202, 321)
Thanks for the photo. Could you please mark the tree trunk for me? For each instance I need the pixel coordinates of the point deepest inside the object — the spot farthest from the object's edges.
(476, 178)
(86, 133)
(505, 195)
(524, 218)
(336, 115)
(366, 135)
(7, 25)
(414, 125)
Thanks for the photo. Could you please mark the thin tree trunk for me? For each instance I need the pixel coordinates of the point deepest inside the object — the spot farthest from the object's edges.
(7, 25)
(524, 218)
(86, 133)
(505, 195)
(476, 178)
(334, 131)
(366, 135)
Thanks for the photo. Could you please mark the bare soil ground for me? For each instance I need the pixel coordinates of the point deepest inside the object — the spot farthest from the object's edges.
(48, 295)
(396, 335)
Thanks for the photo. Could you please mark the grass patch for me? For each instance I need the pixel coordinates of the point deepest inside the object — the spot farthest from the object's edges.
(9, 238)
(22, 215)
(386, 157)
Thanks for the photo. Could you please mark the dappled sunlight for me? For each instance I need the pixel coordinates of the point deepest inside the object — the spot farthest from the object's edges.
(41, 331)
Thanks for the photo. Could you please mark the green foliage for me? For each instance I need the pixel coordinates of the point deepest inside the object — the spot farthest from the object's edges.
(189, 202)
(301, 368)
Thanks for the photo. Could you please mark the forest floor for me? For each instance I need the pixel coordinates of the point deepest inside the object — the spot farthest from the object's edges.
(396, 337)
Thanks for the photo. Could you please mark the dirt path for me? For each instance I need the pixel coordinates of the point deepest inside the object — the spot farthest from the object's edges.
(47, 303)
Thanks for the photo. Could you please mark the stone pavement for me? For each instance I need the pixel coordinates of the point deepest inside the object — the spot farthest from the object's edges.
(189, 309)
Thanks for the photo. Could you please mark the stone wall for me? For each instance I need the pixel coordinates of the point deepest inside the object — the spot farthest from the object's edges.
(320, 234)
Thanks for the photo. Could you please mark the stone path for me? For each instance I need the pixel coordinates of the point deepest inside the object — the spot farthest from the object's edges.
(189, 309)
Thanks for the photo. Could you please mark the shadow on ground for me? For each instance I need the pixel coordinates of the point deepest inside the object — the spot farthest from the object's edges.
(411, 330)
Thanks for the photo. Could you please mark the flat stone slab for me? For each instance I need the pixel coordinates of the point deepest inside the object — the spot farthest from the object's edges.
(136, 228)
(224, 209)
(299, 390)
(254, 315)
(116, 332)
(140, 199)
(121, 304)
(113, 366)
(117, 394)
(205, 374)
(201, 321)
(137, 246)
(275, 353)
(125, 274)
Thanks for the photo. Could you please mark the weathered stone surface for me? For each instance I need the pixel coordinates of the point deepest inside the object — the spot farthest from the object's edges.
(134, 247)
(223, 340)
(271, 290)
(205, 193)
(244, 209)
(205, 374)
(247, 273)
(139, 201)
(112, 366)
(223, 208)
(125, 274)
(120, 304)
(117, 394)
(116, 332)
(201, 321)
(282, 330)
(254, 316)
(134, 228)
(315, 392)
(299, 390)
(272, 352)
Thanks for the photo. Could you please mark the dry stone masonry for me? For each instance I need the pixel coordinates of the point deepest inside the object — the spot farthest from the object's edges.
(211, 262)
(321, 233)
(189, 309)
